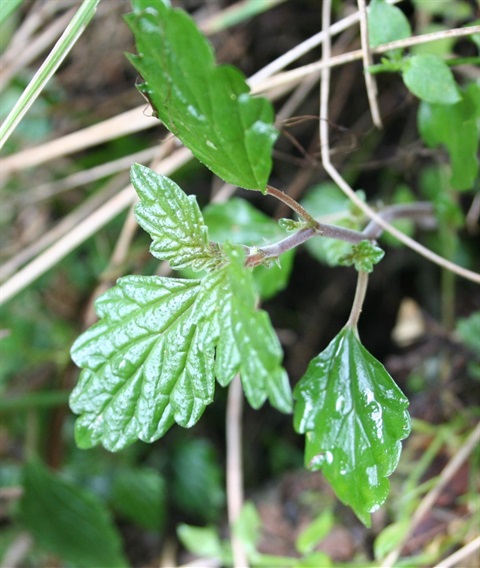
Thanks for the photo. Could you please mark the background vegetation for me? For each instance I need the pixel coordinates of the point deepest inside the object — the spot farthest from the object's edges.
(68, 232)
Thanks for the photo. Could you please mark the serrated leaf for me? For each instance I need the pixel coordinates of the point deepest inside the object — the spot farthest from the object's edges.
(386, 23)
(328, 202)
(363, 256)
(430, 79)
(151, 361)
(67, 520)
(457, 127)
(354, 416)
(208, 107)
(174, 221)
(237, 221)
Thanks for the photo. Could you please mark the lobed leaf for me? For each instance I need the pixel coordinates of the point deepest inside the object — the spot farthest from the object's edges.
(208, 107)
(174, 221)
(429, 78)
(457, 128)
(153, 358)
(363, 256)
(354, 416)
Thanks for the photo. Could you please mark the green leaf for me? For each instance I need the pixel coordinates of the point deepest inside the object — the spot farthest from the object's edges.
(390, 537)
(200, 495)
(174, 221)
(237, 221)
(386, 23)
(430, 79)
(354, 416)
(315, 560)
(247, 528)
(139, 495)
(7, 7)
(152, 359)
(363, 256)
(68, 520)
(208, 107)
(469, 331)
(457, 127)
(202, 541)
(316, 531)
(327, 202)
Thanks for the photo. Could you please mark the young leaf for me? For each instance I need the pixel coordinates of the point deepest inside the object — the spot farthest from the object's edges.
(66, 519)
(430, 79)
(363, 256)
(386, 23)
(208, 107)
(174, 221)
(456, 127)
(354, 417)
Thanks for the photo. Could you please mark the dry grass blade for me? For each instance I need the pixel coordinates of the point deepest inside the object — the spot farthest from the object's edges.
(83, 231)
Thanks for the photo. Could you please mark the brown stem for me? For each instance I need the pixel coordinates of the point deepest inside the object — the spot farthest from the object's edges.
(294, 205)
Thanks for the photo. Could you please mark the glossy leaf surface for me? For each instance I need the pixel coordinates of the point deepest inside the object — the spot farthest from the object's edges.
(237, 221)
(354, 416)
(208, 107)
(174, 221)
(457, 128)
(430, 79)
(153, 357)
(68, 520)
(386, 23)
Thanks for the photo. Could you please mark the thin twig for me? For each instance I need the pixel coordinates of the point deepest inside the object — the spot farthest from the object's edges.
(304, 47)
(429, 500)
(21, 58)
(66, 224)
(421, 211)
(297, 74)
(83, 177)
(464, 552)
(117, 259)
(340, 181)
(235, 468)
(370, 80)
(83, 231)
(134, 120)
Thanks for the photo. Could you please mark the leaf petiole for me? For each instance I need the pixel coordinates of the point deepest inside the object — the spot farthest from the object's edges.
(360, 292)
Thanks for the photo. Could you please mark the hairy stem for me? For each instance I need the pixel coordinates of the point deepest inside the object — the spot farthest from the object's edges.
(422, 211)
(361, 290)
(294, 205)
